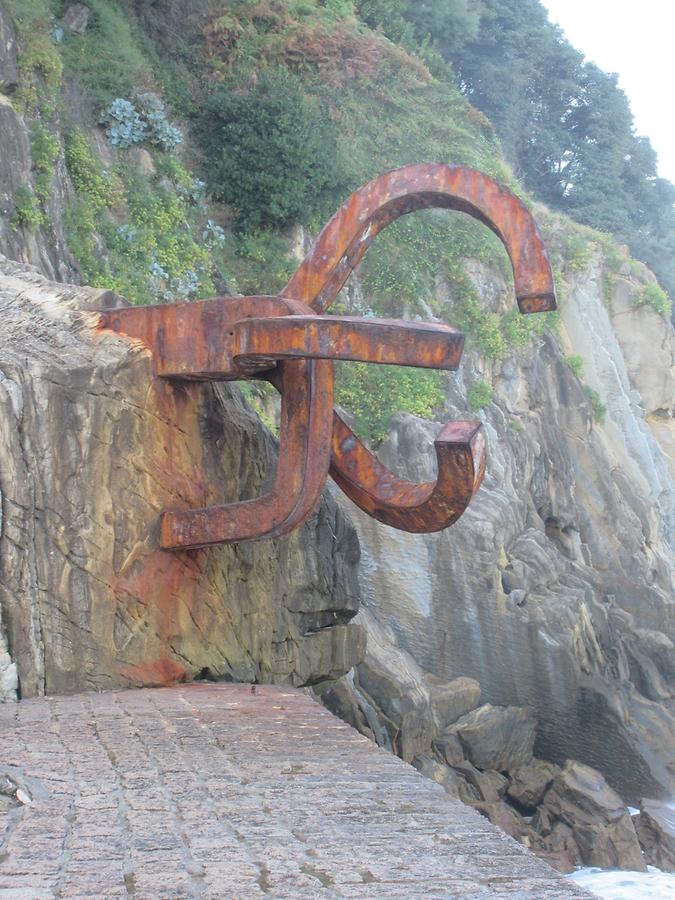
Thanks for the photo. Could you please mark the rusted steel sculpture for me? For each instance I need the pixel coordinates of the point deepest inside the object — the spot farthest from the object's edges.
(287, 341)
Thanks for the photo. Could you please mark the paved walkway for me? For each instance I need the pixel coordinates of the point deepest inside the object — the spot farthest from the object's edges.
(213, 791)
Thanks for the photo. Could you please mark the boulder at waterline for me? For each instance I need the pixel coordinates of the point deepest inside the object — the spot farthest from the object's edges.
(601, 827)
(655, 827)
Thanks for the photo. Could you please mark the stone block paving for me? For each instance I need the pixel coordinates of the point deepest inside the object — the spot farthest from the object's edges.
(215, 791)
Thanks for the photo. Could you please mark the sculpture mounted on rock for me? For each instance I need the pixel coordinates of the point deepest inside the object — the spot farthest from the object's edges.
(287, 341)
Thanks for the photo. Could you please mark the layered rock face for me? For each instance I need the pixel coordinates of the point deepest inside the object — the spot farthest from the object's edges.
(484, 755)
(92, 448)
(556, 589)
(656, 830)
(46, 248)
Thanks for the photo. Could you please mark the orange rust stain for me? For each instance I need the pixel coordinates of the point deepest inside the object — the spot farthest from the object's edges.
(156, 672)
(168, 586)
(162, 582)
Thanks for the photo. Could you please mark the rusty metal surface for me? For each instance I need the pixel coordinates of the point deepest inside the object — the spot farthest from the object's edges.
(287, 341)
(194, 340)
(422, 508)
(258, 342)
(342, 243)
(340, 247)
(306, 388)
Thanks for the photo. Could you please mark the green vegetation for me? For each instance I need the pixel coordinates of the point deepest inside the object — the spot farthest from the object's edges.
(257, 263)
(40, 64)
(107, 59)
(128, 125)
(89, 179)
(484, 327)
(257, 394)
(373, 393)
(576, 364)
(152, 251)
(519, 330)
(27, 212)
(567, 127)
(479, 396)
(391, 112)
(612, 260)
(44, 151)
(577, 252)
(272, 153)
(598, 407)
(416, 23)
(402, 268)
(163, 238)
(655, 297)
(285, 106)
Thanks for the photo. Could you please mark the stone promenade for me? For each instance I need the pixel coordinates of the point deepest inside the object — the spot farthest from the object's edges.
(214, 791)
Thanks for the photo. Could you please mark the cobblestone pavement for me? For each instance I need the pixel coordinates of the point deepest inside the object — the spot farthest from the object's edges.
(214, 791)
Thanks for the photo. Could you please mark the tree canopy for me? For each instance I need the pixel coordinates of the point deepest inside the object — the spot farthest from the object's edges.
(565, 125)
(271, 151)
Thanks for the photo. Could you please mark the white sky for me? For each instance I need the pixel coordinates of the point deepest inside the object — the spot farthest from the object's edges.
(637, 41)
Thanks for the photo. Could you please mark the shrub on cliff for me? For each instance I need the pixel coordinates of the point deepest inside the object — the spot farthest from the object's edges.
(128, 126)
(272, 153)
(654, 296)
(479, 396)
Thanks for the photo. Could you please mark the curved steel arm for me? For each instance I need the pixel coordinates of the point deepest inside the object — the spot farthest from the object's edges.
(283, 340)
(306, 388)
(346, 237)
(422, 508)
(338, 250)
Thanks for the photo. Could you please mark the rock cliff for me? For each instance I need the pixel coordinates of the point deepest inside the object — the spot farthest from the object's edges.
(91, 449)
(555, 590)
(46, 247)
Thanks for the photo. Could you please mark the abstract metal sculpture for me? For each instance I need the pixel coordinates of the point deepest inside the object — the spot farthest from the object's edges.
(287, 341)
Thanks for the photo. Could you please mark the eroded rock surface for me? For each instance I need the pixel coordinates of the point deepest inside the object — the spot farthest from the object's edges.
(499, 738)
(556, 589)
(92, 448)
(655, 827)
(601, 827)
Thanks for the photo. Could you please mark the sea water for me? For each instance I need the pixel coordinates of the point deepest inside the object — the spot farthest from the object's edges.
(615, 884)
